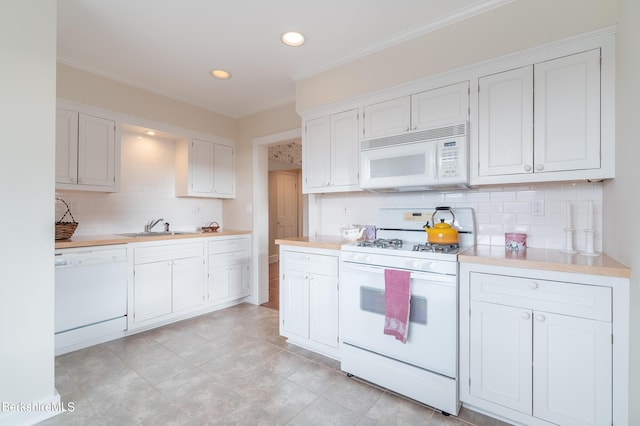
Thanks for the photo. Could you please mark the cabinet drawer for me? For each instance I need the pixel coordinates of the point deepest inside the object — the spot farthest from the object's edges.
(551, 296)
(230, 258)
(309, 262)
(167, 252)
(225, 246)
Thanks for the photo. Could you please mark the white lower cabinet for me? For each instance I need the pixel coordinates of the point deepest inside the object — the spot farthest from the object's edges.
(537, 348)
(168, 279)
(309, 298)
(228, 277)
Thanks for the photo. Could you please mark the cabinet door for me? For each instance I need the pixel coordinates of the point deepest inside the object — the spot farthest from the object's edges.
(316, 150)
(218, 277)
(505, 125)
(572, 382)
(294, 304)
(323, 309)
(201, 167)
(345, 148)
(567, 113)
(96, 151)
(223, 171)
(387, 118)
(500, 340)
(188, 283)
(151, 290)
(440, 107)
(66, 146)
(238, 277)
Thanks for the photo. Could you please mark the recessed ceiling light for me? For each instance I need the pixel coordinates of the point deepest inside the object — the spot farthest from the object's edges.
(150, 132)
(293, 38)
(221, 74)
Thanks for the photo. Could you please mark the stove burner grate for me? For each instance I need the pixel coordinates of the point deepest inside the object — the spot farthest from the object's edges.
(436, 248)
(393, 243)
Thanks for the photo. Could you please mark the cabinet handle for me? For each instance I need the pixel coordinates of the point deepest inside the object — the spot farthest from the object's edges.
(74, 180)
(407, 129)
(540, 318)
(525, 315)
(527, 168)
(539, 167)
(533, 285)
(308, 257)
(414, 127)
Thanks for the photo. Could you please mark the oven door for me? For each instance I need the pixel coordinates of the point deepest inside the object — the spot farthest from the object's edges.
(432, 337)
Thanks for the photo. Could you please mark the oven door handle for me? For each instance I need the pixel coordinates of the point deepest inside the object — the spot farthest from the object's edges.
(369, 269)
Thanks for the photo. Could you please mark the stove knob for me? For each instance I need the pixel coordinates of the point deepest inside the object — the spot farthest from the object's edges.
(356, 257)
(417, 264)
(368, 259)
(433, 266)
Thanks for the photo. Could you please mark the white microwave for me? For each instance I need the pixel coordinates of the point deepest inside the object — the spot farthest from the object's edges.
(416, 161)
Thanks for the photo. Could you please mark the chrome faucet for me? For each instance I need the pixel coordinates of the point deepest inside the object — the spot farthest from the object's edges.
(151, 224)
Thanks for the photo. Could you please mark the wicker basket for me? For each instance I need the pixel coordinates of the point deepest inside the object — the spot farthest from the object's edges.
(212, 227)
(64, 230)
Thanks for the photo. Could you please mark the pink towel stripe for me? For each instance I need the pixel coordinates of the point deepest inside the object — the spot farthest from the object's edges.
(397, 297)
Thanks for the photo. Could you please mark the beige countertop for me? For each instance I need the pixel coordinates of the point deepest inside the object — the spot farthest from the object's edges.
(319, 241)
(105, 240)
(552, 260)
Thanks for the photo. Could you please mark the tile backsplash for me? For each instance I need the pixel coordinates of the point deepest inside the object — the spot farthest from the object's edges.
(147, 191)
(498, 209)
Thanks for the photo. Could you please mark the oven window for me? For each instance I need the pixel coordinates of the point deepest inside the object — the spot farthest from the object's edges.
(372, 300)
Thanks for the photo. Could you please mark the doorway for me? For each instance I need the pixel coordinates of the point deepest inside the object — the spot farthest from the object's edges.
(261, 239)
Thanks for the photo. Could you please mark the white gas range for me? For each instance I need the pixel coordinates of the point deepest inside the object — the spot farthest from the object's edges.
(423, 368)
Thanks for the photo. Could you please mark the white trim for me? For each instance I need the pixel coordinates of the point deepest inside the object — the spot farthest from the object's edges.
(260, 202)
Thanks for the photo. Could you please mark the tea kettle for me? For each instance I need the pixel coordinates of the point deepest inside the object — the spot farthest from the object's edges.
(441, 233)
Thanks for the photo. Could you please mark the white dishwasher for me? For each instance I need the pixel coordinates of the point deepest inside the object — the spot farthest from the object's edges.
(90, 296)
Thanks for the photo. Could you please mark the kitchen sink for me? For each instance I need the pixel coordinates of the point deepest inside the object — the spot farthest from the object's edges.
(154, 234)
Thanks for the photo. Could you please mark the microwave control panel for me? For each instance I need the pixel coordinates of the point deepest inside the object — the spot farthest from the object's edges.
(452, 160)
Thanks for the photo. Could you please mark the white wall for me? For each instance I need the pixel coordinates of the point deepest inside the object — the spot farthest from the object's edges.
(498, 210)
(147, 191)
(621, 196)
(27, 120)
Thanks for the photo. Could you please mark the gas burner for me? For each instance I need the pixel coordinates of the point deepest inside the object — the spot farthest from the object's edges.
(444, 248)
(394, 243)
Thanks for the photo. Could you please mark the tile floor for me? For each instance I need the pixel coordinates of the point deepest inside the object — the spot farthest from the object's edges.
(228, 367)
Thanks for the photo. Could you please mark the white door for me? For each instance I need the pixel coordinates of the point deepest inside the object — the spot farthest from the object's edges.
(440, 107)
(323, 309)
(66, 146)
(223, 170)
(219, 283)
(294, 302)
(96, 151)
(505, 125)
(387, 118)
(286, 205)
(567, 113)
(201, 167)
(345, 148)
(572, 370)
(500, 345)
(188, 283)
(316, 151)
(151, 290)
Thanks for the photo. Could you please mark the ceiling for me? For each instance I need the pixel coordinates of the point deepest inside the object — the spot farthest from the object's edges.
(169, 46)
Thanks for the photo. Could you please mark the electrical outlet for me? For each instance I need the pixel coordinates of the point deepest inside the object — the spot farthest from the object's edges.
(537, 208)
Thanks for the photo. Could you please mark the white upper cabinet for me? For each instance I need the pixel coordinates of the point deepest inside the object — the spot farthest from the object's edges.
(330, 153)
(204, 169)
(505, 122)
(87, 152)
(567, 113)
(541, 122)
(424, 110)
